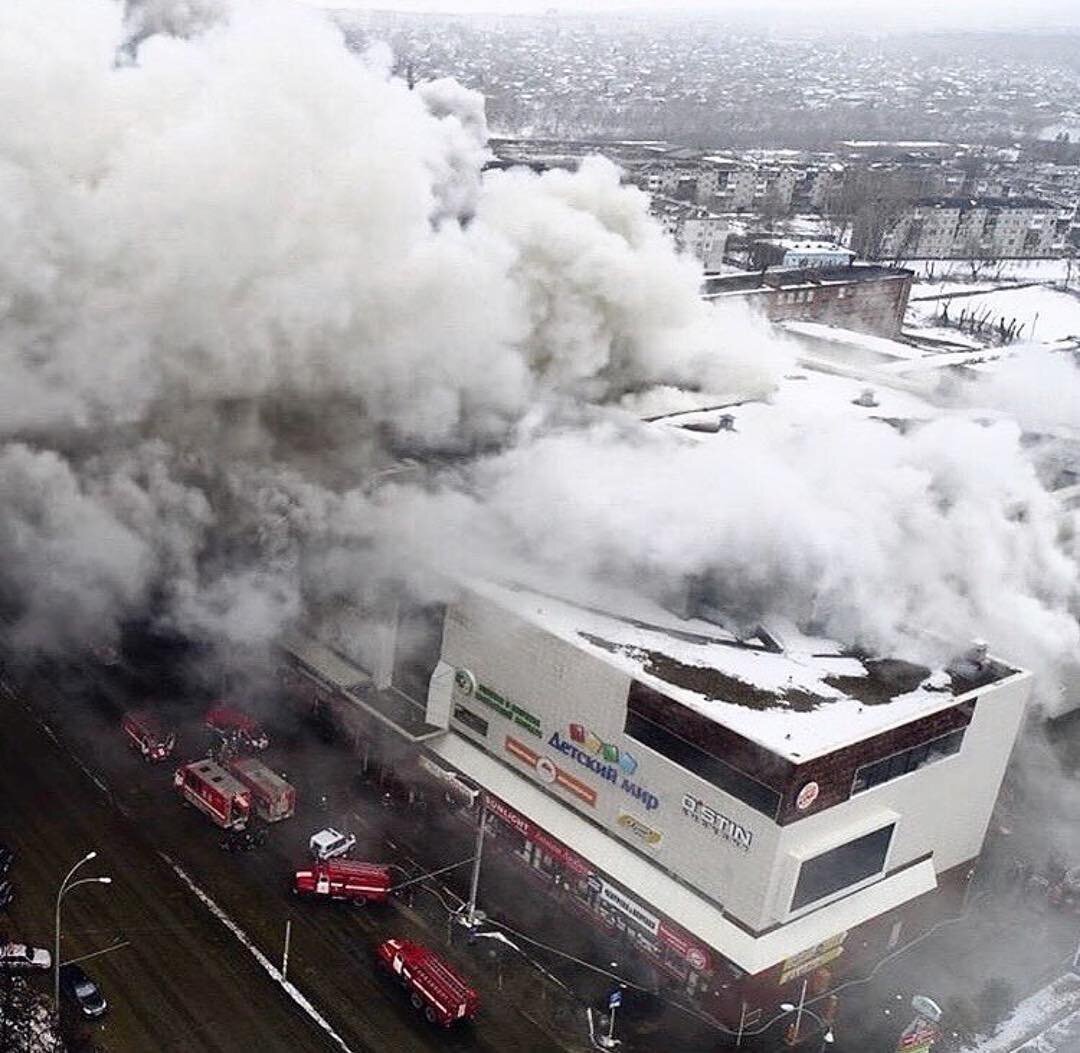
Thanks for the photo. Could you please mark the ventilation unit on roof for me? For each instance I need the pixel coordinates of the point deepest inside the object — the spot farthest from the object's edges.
(867, 398)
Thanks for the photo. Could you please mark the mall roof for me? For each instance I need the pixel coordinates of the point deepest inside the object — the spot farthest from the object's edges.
(798, 699)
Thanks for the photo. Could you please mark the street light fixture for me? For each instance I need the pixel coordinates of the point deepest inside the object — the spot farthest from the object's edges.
(64, 889)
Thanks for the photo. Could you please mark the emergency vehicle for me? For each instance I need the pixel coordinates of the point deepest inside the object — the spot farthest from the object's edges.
(146, 734)
(214, 791)
(435, 988)
(271, 796)
(347, 879)
(235, 724)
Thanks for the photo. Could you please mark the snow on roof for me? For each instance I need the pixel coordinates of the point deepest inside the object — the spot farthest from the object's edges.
(800, 700)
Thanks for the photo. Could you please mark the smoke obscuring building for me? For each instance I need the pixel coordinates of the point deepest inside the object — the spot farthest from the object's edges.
(865, 297)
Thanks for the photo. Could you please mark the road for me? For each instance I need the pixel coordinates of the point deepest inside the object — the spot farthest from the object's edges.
(182, 983)
(186, 981)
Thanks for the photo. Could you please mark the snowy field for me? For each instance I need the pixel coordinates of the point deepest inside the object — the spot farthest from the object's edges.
(1047, 315)
(1004, 270)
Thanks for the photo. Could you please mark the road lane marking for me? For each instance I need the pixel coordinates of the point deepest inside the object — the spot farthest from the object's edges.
(271, 969)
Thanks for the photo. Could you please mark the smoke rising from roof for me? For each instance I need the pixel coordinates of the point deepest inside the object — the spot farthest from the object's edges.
(245, 270)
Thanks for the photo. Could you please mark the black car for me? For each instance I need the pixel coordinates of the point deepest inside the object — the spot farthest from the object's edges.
(7, 857)
(7, 893)
(81, 988)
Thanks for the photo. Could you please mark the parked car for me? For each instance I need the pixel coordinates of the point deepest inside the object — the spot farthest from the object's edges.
(83, 990)
(14, 956)
(7, 857)
(7, 893)
(330, 843)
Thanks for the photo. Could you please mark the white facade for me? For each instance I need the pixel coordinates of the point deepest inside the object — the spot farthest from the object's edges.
(553, 715)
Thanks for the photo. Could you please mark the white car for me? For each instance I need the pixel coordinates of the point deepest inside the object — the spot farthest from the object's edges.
(330, 843)
(19, 956)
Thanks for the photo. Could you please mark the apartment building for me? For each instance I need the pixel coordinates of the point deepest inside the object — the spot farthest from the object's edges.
(981, 227)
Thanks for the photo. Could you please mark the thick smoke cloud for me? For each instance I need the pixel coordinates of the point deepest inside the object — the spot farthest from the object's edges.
(241, 266)
(244, 272)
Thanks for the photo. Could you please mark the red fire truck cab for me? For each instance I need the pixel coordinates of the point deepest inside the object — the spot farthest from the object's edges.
(347, 879)
(435, 988)
(235, 723)
(214, 791)
(146, 734)
(271, 796)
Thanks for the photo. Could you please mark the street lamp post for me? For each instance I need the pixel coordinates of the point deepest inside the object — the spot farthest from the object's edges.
(800, 1011)
(65, 888)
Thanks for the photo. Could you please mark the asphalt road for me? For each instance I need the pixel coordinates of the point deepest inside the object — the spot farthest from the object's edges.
(185, 982)
(181, 983)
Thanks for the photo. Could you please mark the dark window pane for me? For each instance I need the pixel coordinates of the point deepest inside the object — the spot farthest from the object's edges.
(703, 764)
(841, 867)
(877, 772)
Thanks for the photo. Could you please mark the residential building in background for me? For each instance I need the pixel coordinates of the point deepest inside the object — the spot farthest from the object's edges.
(979, 228)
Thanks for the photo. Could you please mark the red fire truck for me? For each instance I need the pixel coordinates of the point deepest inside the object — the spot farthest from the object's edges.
(146, 734)
(214, 791)
(435, 988)
(236, 725)
(347, 879)
(271, 796)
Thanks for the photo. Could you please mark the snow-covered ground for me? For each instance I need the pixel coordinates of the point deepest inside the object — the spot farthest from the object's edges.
(1046, 314)
(1046, 1022)
(1004, 270)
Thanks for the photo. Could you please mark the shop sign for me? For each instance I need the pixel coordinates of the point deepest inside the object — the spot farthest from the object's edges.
(467, 684)
(807, 796)
(531, 832)
(644, 919)
(548, 772)
(697, 957)
(642, 831)
(719, 824)
(591, 753)
(807, 961)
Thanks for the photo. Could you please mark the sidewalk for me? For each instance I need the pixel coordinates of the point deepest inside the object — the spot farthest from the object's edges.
(1046, 1022)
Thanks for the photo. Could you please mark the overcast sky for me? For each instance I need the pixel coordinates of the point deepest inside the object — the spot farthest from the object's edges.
(1027, 14)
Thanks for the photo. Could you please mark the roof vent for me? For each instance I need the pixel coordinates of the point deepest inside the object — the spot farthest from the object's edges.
(867, 398)
(725, 422)
(973, 661)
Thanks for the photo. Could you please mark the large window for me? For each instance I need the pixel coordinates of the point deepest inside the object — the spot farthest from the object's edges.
(842, 867)
(703, 764)
(897, 764)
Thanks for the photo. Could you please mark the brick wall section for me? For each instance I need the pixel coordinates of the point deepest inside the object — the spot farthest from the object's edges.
(875, 307)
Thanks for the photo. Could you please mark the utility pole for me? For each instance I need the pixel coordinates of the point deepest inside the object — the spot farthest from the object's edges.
(474, 883)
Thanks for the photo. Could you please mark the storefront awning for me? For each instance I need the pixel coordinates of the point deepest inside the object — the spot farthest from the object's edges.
(640, 877)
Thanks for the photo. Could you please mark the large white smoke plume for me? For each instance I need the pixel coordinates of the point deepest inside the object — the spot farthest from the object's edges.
(243, 271)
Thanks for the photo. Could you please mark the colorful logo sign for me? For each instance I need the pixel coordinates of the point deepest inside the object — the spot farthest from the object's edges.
(596, 747)
(807, 796)
(605, 760)
(550, 773)
(640, 830)
(467, 684)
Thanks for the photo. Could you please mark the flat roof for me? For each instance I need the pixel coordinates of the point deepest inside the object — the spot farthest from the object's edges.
(658, 890)
(718, 285)
(798, 699)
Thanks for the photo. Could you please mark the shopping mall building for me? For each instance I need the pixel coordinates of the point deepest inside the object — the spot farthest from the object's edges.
(748, 811)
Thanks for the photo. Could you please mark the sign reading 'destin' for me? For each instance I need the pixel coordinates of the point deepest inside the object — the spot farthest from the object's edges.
(719, 824)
